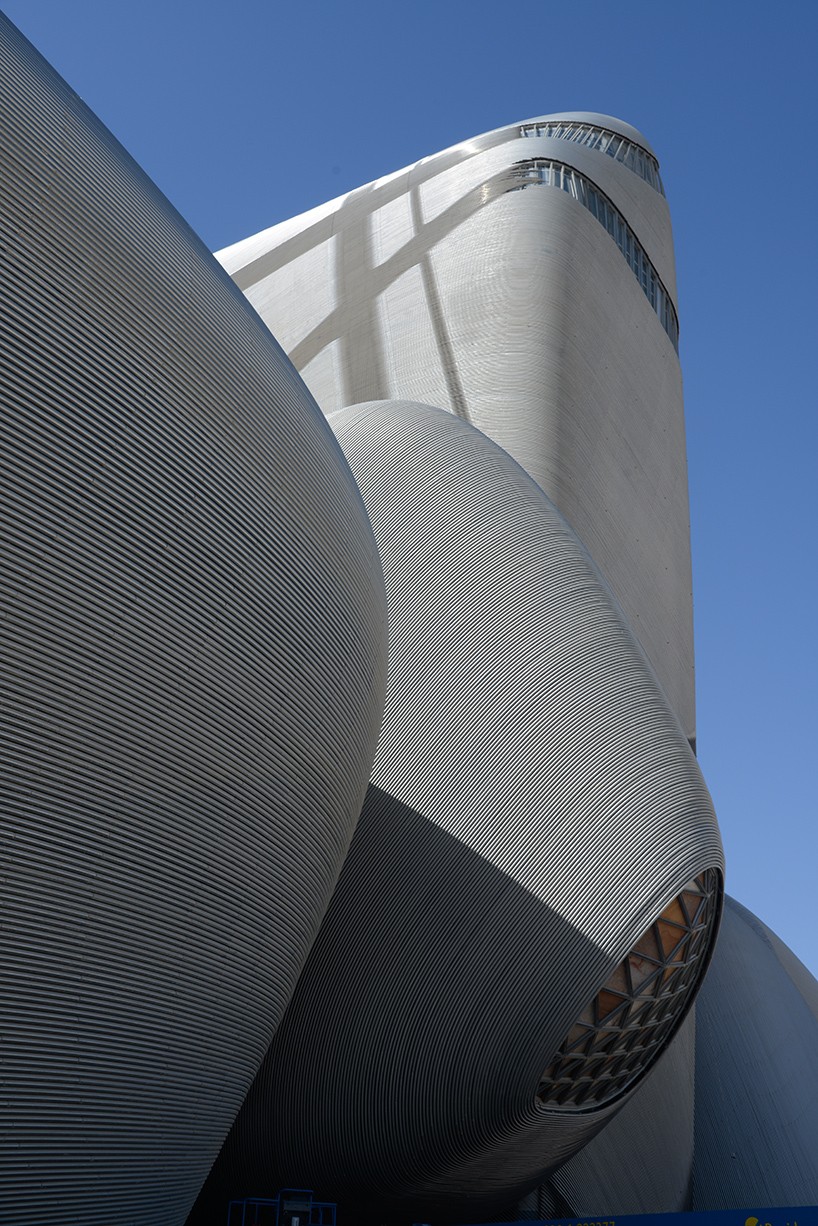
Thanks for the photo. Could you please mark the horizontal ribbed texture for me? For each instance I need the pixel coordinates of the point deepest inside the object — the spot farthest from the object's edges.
(521, 314)
(642, 1160)
(564, 178)
(193, 652)
(533, 808)
(251, 259)
(756, 1072)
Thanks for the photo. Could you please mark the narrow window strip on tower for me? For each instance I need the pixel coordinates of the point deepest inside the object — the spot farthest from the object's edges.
(618, 147)
(557, 174)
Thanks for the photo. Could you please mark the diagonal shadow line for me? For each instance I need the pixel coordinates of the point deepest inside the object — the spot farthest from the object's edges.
(365, 200)
(409, 255)
(436, 317)
(363, 376)
(381, 1033)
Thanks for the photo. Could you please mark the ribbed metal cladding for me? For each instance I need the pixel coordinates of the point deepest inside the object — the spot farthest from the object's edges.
(756, 1072)
(193, 656)
(520, 314)
(564, 178)
(534, 807)
(642, 1160)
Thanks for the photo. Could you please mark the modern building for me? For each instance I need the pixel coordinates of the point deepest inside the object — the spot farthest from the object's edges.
(524, 283)
(194, 657)
(429, 945)
(534, 883)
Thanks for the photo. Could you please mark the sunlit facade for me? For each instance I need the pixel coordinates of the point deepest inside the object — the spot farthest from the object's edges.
(354, 837)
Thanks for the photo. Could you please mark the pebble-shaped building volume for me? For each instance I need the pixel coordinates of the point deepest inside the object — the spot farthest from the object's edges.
(352, 833)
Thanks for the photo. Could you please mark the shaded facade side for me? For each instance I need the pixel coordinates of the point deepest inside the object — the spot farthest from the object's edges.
(642, 1161)
(756, 1089)
(534, 808)
(756, 1072)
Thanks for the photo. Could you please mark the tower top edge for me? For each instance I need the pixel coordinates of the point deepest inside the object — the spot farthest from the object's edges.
(597, 120)
(229, 256)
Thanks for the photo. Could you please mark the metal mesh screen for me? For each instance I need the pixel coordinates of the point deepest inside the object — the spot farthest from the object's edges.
(632, 1017)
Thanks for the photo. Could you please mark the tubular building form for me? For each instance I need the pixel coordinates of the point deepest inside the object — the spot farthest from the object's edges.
(463, 282)
(479, 876)
(430, 975)
(525, 281)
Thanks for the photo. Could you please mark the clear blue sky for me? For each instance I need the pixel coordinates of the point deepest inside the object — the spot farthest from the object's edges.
(249, 113)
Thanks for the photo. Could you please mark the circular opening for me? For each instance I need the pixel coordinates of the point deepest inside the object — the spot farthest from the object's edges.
(632, 1017)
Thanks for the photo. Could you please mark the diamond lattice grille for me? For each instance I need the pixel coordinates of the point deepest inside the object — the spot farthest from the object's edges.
(632, 1017)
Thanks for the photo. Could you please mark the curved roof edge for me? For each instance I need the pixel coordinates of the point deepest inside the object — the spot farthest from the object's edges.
(600, 121)
(276, 233)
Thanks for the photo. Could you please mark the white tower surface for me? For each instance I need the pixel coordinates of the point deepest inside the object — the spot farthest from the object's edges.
(525, 281)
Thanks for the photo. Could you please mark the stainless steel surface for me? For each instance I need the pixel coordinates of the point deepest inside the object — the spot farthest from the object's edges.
(533, 808)
(193, 653)
(518, 313)
(756, 1072)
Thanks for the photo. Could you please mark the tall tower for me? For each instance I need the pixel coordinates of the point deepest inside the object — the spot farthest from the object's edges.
(525, 281)
(534, 885)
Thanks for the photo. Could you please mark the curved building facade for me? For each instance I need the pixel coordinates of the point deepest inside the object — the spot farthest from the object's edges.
(756, 1072)
(194, 659)
(642, 1161)
(534, 883)
(525, 281)
(755, 1084)
(465, 974)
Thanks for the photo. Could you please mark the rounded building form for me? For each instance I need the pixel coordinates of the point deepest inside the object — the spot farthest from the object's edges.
(756, 1072)
(194, 656)
(537, 857)
(525, 281)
